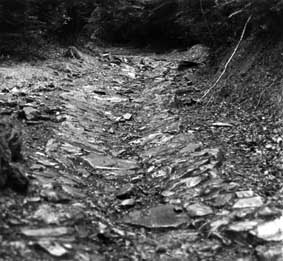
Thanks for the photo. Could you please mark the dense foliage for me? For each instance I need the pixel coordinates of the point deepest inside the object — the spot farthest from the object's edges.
(29, 22)
(145, 21)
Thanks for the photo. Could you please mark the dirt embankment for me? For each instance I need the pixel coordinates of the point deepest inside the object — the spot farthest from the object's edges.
(253, 78)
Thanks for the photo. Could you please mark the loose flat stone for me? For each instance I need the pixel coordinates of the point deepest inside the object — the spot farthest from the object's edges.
(191, 147)
(47, 214)
(216, 153)
(163, 216)
(127, 203)
(99, 161)
(129, 71)
(222, 200)
(193, 181)
(270, 253)
(188, 182)
(198, 210)
(69, 148)
(172, 128)
(270, 231)
(30, 113)
(125, 191)
(245, 194)
(127, 116)
(46, 232)
(167, 193)
(243, 226)
(51, 195)
(147, 139)
(37, 167)
(242, 213)
(216, 224)
(73, 191)
(269, 212)
(94, 89)
(54, 214)
(114, 99)
(52, 247)
(222, 124)
(253, 202)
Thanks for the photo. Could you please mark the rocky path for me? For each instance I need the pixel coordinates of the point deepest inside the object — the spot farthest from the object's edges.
(125, 165)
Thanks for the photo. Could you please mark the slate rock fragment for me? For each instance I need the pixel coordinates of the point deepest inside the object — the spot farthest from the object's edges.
(267, 212)
(221, 200)
(46, 232)
(270, 253)
(127, 203)
(160, 217)
(73, 52)
(198, 210)
(243, 226)
(127, 116)
(125, 191)
(216, 154)
(52, 247)
(271, 231)
(253, 202)
(57, 214)
(106, 162)
(245, 194)
(31, 113)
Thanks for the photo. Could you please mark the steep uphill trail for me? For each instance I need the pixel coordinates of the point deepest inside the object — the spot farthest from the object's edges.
(126, 165)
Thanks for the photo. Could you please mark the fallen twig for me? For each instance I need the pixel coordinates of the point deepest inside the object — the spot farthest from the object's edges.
(229, 60)
(239, 11)
(235, 13)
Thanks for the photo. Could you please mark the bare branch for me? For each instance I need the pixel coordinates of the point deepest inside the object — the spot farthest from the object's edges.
(229, 60)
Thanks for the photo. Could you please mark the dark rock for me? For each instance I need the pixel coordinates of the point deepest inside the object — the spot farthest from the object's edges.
(183, 65)
(16, 179)
(161, 250)
(10, 151)
(125, 192)
(10, 139)
(73, 52)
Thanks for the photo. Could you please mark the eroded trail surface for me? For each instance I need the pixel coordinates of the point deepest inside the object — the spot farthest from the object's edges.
(125, 165)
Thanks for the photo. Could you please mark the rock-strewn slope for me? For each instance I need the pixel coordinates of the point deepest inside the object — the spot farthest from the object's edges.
(126, 164)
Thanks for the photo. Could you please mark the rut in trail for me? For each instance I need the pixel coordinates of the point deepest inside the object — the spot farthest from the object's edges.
(125, 164)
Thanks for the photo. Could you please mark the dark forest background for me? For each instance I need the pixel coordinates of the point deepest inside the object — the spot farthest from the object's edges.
(174, 23)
